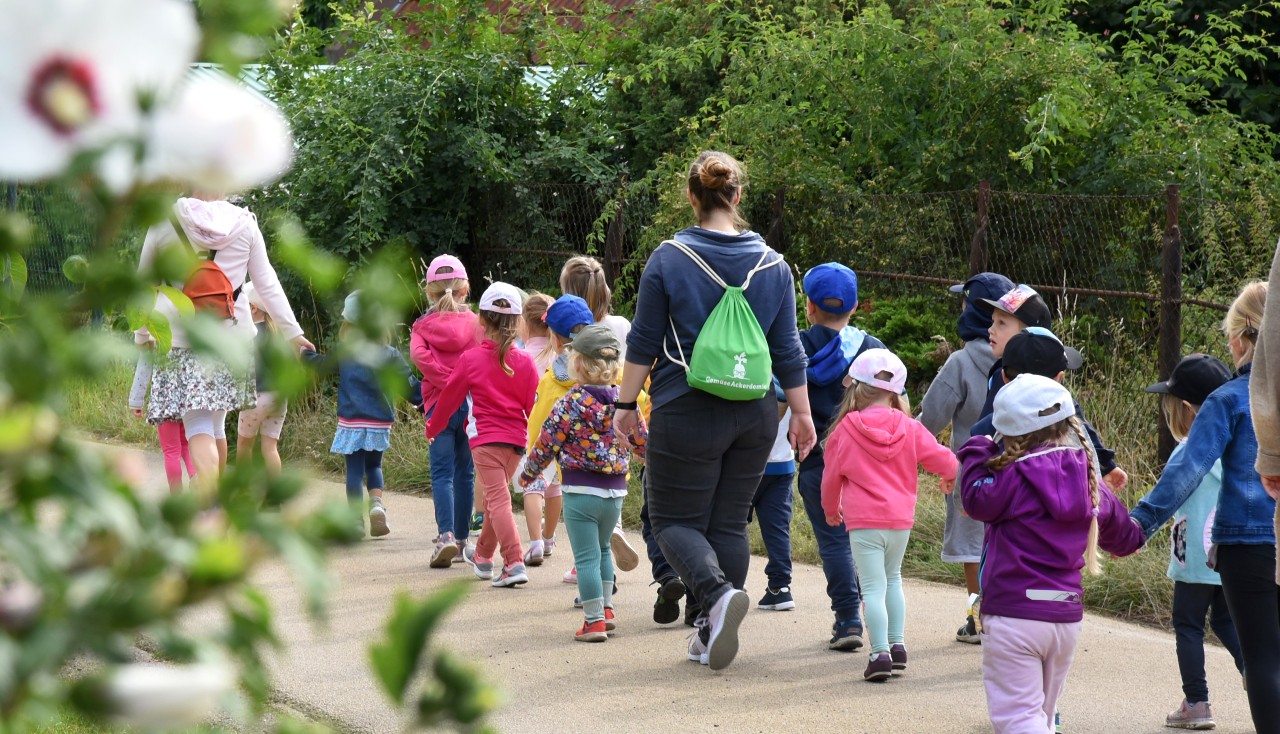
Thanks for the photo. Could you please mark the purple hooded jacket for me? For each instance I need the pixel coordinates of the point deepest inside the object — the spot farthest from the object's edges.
(1038, 512)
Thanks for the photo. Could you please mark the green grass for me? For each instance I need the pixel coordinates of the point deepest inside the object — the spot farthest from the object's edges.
(1134, 588)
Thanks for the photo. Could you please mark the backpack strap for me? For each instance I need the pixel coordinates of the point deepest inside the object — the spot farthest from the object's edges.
(211, 255)
(711, 273)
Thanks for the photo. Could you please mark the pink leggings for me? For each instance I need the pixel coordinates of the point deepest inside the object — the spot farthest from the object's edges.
(173, 442)
(495, 465)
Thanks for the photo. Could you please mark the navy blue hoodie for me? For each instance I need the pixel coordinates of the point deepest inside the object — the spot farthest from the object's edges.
(830, 353)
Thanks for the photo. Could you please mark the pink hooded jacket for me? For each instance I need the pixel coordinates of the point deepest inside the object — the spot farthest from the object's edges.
(871, 474)
(438, 342)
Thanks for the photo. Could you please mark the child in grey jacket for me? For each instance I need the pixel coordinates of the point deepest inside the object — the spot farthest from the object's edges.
(955, 398)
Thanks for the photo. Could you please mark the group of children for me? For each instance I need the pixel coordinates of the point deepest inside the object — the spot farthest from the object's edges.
(520, 394)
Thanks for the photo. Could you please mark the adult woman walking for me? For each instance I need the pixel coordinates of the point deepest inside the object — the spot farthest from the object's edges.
(201, 389)
(707, 453)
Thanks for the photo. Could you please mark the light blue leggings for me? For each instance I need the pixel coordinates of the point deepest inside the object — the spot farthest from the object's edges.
(878, 556)
(589, 521)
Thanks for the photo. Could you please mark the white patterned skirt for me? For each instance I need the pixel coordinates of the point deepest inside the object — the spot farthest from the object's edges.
(184, 382)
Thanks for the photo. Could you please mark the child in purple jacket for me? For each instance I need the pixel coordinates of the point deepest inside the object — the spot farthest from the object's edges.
(1046, 515)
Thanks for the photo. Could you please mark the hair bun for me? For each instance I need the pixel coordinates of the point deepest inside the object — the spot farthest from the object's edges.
(715, 174)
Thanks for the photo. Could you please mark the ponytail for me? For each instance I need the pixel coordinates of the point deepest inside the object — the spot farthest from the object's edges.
(501, 329)
(584, 277)
(448, 295)
(1091, 564)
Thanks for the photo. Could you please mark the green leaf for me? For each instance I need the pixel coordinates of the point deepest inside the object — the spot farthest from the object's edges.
(16, 273)
(179, 299)
(395, 659)
(76, 268)
(158, 324)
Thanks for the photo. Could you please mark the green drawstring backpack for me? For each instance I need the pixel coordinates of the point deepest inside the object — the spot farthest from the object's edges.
(730, 355)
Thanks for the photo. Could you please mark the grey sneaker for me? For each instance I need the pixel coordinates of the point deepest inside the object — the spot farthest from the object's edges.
(511, 576)
(698, 646)
(445, 550)
(725, 618)
(1191, 716)
(378, 526)
(483, 569)
(533, 556)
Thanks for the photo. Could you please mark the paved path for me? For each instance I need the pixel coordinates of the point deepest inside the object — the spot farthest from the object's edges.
(1124, 679)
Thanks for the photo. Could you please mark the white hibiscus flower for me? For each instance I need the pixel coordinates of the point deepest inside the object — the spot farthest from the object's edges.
(72, 73)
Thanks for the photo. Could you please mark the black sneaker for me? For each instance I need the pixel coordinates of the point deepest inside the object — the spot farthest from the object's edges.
(667, 608)
(968, 632)
(846, 635)
(777, 600)
(880, 667)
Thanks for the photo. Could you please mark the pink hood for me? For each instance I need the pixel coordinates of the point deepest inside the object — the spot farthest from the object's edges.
(872, 468)
(213, 225)
(438, 341)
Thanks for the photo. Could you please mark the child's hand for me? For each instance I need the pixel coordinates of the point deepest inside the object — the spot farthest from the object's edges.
(836, 520)
(946, 485)
(1272, 485)
(137, 412)
(1116, 479)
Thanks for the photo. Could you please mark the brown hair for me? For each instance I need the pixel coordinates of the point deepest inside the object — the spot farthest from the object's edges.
(449, 294)
(534, 315)
(860, 396)
(501, 328)
(715, 180)
(1059, 434)
(1245, 318)
(584, 277)
(593, 371)
(1178, 415)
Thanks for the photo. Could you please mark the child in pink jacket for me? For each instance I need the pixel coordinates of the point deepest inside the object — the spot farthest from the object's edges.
(873, 451)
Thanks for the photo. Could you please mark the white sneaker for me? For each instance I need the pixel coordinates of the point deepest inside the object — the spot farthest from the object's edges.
(570, 576)
(697, 648)
(533, 556)
(548, 546)
(725, 618)
(623, 554)
(378, 526)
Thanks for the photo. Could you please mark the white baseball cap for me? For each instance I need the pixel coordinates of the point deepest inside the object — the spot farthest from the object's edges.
(880, 368)
(252, 295)
(500, 291)
(1029, 403)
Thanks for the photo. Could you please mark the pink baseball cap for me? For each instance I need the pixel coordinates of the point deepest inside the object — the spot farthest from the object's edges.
(880, 368)
(454, 265)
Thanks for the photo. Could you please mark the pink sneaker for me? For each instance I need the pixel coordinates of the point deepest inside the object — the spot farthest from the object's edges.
(571, 576)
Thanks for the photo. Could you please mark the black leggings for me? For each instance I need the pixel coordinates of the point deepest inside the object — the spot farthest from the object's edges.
(1249, 581)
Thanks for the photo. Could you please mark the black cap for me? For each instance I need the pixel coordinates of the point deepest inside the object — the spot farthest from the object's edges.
(1194, 378)
(983, 286)
(1038, 351)
(1023, 303)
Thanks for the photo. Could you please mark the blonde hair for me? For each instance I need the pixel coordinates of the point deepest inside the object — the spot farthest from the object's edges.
(501, 329)
(448, 295)
(715, 180)
(1178, 415)
(534, 316)
(1060, 434)
(1245, 318)
(595, 371)
(860, 396)
(584, 277)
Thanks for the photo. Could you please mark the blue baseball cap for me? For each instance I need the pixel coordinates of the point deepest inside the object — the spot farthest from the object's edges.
(983, 286)
(566, 313)
(832, 281)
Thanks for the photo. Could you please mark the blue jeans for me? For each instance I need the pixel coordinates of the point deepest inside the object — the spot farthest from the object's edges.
(1191, 604)
(363, 467)
(453, 476)
(772, 506)
(833, 548)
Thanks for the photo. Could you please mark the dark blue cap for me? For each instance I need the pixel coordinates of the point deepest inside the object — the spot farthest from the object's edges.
(566, 313)
(983, 286)
(832, 281)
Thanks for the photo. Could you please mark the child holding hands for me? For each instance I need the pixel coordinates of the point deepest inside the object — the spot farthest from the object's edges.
(869, 484)
(579, 435)
(1046, 515)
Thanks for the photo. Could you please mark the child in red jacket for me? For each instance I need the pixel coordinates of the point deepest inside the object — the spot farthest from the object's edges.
(872, 453)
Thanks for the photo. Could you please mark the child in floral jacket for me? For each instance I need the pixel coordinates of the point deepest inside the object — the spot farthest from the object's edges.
(579, 435)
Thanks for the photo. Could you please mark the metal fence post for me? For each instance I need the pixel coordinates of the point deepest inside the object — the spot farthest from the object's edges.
(978, 255)
(1170, 304)
(776, 237)
(615, 238)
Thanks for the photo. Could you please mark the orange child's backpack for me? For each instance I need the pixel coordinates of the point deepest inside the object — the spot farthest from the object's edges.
(208, 287)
